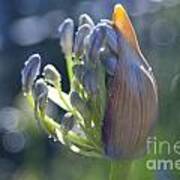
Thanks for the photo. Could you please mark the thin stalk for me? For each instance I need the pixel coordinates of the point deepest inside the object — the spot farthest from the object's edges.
(69, 65)
(120, 170)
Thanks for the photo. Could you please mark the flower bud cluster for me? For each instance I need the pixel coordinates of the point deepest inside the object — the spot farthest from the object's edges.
(113, 94)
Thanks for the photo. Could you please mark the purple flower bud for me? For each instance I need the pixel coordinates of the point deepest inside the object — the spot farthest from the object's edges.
(85, 19)
(79, 45)
(40, 93)
(66, 30)
(109, 61)
(52, 75)
(30, 72)
(110, 65)
(94, 43)
(111, 37)
(90, 82)
(68, 121)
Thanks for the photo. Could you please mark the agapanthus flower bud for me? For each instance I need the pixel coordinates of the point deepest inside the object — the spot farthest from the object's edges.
(110, 65)
(30, 72)
(40, 93)
(90, 82)
(52, 75)
(66, 30)
(79, 44)
(68, 121)
(109, 60)
(111, 38)
(95, 42)
(113, 93)
(85, 19)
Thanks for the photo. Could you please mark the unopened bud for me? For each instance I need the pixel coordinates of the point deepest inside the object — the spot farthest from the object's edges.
(94, 43)
(109, 61)
(30, 72)
(90, 82)
(66, 30)
(79, 45)
(52, 75)
(40, 93)
(111, 37)
(85, 19)
(110, 65)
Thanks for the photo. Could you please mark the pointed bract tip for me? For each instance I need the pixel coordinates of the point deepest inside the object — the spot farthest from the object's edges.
(118, 9)
(123, 24)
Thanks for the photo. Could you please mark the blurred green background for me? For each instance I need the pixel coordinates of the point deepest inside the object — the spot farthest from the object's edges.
(30, 26)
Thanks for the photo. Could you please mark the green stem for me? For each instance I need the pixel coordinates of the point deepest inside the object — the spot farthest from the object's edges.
(120, 170)
(69, 65)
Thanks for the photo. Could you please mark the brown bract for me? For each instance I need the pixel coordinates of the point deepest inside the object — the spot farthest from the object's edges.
(132, 101)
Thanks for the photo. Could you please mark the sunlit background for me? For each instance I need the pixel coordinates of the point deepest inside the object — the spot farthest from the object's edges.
(30, 26)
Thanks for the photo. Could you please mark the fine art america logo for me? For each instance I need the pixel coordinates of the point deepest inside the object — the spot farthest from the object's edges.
(158, 147)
